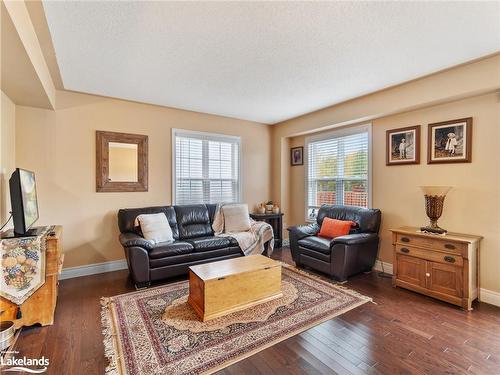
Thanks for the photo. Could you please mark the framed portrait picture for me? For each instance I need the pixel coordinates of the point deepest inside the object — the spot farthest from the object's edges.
(403, 146)
(297, 156)
(450, 141)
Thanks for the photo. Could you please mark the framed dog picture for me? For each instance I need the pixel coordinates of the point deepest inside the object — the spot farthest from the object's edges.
(403, 146)
(297, 156)
(450, 141)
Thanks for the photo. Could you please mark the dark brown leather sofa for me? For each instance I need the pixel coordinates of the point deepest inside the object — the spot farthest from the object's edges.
(343, 256)
(194, 242)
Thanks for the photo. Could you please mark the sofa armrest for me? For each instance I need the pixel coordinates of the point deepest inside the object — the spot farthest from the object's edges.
(355, 239)
(302, 231)
(131, 239)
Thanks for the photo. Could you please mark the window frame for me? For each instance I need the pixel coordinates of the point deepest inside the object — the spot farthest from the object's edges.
(205, 136)
(337, 132)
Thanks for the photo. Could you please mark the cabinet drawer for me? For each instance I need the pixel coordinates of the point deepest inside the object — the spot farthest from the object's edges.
(434, 256)
(432, 242)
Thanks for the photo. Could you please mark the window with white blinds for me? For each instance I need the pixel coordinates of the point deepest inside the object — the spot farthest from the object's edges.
(338, 169)
(206, 168)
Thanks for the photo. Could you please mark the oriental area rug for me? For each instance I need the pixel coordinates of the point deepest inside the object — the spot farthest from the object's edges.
(156, 331)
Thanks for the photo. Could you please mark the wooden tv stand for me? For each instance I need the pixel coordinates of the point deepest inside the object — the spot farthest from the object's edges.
(41, 305)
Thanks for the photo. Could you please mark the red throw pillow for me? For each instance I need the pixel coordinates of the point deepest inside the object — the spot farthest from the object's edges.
(332, 228)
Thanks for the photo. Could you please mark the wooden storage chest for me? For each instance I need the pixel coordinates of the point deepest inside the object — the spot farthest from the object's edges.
(226, 286)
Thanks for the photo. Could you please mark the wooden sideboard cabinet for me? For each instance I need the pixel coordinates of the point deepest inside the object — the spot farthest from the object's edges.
(444, 267)
(40, 306)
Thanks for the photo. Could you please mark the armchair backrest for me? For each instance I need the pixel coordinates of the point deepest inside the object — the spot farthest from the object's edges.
(368, 219)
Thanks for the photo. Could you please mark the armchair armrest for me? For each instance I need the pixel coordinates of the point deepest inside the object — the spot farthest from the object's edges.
(131, 239)
(301, 231)
(297, 233)
(355, 239)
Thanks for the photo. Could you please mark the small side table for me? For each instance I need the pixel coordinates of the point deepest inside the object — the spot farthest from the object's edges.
(276, 221)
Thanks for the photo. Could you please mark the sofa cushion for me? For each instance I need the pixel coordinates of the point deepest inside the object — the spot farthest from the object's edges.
(316, 243)
(210, 243)
(168, 249)
(315, 254)
(194, 257)
(193, 221)
(367, 220)
(332, 228)
(155, 227)
(127, 219)
(236, 218)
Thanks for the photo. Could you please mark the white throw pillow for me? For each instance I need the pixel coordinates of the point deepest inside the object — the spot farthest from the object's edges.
(236, 218)
(155, 227)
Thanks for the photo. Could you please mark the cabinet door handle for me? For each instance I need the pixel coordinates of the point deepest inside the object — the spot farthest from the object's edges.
(405, 250)
(449, 246)
(405, 239)
(428, 274)
(449, 259)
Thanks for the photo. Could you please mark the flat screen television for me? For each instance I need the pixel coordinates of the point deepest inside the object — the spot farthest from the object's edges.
(23, 200)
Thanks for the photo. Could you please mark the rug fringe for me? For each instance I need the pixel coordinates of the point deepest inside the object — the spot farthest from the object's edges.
(109, 334)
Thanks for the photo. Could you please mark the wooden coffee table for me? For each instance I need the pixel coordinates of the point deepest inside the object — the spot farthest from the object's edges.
(226, 286)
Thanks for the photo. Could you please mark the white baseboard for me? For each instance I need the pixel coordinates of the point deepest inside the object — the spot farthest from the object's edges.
(387, 267)
(487, 296)
(92, 269)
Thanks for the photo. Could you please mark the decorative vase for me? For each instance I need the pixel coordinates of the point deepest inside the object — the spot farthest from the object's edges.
(434, 202)
(261, 209)
(269, 207)
(276, 210)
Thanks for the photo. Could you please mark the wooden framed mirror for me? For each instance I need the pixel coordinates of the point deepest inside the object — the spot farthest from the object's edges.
(121, 162)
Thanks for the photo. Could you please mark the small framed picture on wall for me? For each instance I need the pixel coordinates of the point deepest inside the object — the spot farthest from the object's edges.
(450, 141)
(297, 156)
(403, 146)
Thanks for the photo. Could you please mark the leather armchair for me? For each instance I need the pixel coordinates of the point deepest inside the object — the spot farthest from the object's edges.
(342, 256)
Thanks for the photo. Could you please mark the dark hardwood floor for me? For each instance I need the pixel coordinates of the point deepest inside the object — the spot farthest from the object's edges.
(400, 333)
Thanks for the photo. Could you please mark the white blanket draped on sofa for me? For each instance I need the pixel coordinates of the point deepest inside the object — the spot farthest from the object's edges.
(251, 242)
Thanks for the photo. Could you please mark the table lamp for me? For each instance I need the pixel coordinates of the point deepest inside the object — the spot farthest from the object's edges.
(434, 202)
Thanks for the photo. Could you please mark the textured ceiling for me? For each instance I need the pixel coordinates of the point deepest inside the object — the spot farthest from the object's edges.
(265, 62)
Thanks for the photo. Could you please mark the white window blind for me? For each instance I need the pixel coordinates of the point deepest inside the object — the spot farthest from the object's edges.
(337, 169)
(206, 168)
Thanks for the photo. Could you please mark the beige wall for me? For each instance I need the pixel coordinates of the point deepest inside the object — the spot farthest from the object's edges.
(7, 153)
(60, 147)
(475, 78)
(472, 206)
